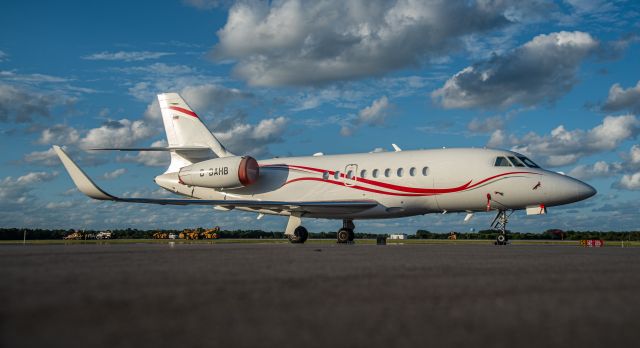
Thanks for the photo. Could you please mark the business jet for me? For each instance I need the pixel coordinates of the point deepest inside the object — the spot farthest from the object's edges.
(347, 187)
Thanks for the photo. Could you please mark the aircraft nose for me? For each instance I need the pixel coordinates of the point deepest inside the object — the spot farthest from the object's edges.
(584, 191)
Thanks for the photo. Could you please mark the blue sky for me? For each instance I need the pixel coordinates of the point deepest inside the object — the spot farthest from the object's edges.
(556, 80)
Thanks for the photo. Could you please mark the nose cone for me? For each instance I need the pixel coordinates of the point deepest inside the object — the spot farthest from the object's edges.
(584, 191)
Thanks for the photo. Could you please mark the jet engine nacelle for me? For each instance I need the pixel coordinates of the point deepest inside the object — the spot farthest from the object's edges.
(221, 173)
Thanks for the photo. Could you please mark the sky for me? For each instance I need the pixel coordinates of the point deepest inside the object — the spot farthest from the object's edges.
(558, 81)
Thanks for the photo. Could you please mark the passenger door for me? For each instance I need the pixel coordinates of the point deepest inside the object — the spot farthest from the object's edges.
(350, 174)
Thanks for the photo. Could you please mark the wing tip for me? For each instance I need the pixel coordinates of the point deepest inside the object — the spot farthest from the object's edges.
(80, 178)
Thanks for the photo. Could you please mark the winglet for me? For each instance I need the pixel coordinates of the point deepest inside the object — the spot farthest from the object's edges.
(82, 181)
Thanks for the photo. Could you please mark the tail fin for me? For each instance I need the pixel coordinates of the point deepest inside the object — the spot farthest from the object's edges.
(185, 129)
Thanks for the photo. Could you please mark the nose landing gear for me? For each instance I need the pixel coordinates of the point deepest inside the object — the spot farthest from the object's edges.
(500, 224)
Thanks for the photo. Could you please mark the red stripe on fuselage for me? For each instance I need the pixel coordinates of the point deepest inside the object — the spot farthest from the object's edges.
(398, 187)
(184, 111)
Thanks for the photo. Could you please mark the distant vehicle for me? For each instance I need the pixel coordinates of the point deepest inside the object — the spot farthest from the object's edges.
(104, 235)
(74, 236)
(346, 187)
(398, 236)
(172, 236)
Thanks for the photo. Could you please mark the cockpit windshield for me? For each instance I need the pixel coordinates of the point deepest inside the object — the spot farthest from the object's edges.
(502, 162)
(528, 162)
(514, 161)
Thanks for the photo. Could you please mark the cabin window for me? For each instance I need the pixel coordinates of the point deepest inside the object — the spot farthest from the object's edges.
(387, 172)
(374, 173)
(502, 162)
(400, 172)
(336, 175)
(325, 175)
(425, 171)
(515, 161)
(350, 174)
(412, 171)
(363, 173)
(528, 162)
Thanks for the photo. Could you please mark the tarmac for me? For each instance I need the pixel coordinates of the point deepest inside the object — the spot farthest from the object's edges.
(318, 295)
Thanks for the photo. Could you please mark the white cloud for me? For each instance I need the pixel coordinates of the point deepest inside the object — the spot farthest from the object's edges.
(309, 42)
(629, 182)
(497, 139)
(373, 115)
(47, 157)
(487, 124)
(126, 56)
(114, 174)
(563, 147)
(22, 105)
(150, 158)
(122, 133)
(623, 99)
(14, 192)
(634, 155)
(59, 205)
(3, 56)
(376, 113)
(244, 138)
(600, 169)
(542, 69)
(59, 134)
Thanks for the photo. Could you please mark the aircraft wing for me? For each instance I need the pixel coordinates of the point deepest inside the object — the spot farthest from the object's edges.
(89, 188)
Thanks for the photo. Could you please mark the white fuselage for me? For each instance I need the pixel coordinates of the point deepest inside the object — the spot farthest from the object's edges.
(404, 183)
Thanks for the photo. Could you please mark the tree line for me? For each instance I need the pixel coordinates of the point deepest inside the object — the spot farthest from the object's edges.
(132, 233)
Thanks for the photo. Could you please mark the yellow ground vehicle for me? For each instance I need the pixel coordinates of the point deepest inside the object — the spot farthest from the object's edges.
(199, 233)
(211, 233)
(74, 235)
(161, 235)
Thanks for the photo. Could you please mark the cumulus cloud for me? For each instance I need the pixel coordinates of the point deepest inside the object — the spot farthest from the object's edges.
(150, 158)
(122, 133)
(542, 69)
(296, 42)
(374, 115)
(114, 174)
(47, 158)
(253, 139)
(629, 182)
(623, 99)
(563, 147)
(600, 169)
(21, 105)
(14, 192)
(126, 56)
(203, 98)
(487, 124)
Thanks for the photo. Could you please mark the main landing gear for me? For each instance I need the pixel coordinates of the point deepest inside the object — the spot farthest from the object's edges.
(296, 233)
(345, 234)
(500, 224)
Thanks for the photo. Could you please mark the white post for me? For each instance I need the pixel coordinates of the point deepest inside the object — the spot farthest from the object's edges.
(24, 236)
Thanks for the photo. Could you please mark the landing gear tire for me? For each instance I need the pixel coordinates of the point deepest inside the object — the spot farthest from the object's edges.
(501, 239)
(345, 235)
(299, 236)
